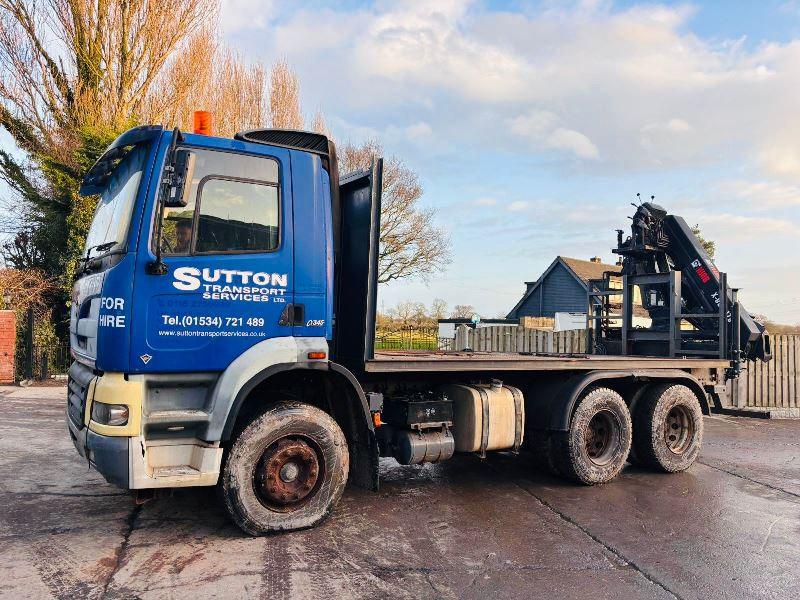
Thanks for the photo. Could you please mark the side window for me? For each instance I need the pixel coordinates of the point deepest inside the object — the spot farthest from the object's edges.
(237, 215)
(234, 206)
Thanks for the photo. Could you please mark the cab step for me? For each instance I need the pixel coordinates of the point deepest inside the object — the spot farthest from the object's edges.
(175, 471)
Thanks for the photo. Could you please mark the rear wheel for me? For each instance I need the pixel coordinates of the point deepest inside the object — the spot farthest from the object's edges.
(596, 446)
(286, 470)
(668, 428)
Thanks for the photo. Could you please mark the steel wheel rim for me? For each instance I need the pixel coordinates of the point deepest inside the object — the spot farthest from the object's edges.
(288, 473)
(678, 429)
(602, 437)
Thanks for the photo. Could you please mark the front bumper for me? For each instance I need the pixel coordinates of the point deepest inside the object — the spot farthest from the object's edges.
(109, 455)
(106, 448)
(122, 454)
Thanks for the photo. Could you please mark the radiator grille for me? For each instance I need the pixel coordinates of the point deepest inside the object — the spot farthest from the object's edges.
(80, 376)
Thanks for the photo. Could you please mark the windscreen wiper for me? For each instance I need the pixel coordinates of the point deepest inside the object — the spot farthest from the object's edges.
(101, 247)
(87, 262)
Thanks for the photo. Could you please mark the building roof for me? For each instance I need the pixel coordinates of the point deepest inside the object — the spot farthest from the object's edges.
(586, 269)
(582, 270)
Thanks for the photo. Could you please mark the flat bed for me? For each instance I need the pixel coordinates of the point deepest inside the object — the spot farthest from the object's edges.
(406, 361)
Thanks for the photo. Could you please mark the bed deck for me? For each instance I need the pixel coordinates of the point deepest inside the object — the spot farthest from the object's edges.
(394, 361)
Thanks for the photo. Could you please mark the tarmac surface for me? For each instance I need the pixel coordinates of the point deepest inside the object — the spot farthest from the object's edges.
(727, 528)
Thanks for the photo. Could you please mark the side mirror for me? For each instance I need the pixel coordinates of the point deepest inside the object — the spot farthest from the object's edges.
(177, 194)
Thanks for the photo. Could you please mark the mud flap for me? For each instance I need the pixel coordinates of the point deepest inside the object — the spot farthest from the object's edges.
(364, 463)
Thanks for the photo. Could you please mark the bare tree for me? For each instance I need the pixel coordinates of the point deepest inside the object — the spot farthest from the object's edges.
(319, 125)
(25, 288)
(411, 244)
(206, 75)
(462, 311)
(420, 317)
(73, 75)
(284, 97)
(240, 100)
(438, 309)
(67, 63)
(407, 312)
(30, 289)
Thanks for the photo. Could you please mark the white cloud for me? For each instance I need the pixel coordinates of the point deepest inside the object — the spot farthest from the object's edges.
(633, 86)
(238, 15)
(418, 130)
(762, 194)
(534, 123)
(668, 141)
(781, 157)
(574, 141)
(739, 228)
(518, 206)
(484, 202)
(541, 129)
(737, 234)
(674, 125)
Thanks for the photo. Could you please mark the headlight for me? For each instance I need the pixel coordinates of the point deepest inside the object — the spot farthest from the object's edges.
(109, 414)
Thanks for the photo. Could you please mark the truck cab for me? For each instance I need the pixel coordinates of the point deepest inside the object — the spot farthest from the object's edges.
(208, 269)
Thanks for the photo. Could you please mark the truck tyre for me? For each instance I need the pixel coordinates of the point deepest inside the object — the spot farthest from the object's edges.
(668, 428)
(286, 470)
(596, 446)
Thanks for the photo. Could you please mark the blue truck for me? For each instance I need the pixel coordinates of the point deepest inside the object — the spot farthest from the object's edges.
(222, 326)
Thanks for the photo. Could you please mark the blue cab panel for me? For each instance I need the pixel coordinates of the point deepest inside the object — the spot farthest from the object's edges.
(313, 263)
(254, 238)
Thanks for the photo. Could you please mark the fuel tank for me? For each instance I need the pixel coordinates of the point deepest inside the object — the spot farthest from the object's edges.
(486, 416)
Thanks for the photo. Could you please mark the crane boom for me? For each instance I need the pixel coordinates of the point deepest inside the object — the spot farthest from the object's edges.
(660, 242)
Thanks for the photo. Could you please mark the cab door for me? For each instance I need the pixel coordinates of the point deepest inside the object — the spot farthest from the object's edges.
(230, 260)
(313, 259)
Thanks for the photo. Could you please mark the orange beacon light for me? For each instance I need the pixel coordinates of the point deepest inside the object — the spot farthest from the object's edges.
(202, 122)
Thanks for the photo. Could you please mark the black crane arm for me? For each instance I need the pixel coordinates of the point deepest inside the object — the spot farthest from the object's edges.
(660, 241)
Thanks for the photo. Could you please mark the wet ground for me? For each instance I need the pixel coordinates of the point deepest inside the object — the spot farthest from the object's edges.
(727, 528)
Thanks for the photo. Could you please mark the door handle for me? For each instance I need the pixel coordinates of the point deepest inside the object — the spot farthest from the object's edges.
(292, 315)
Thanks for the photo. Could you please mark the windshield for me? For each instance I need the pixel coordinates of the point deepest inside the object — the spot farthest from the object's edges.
(113, 213)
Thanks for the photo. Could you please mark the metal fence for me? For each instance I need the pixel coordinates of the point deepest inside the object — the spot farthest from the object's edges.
(412, 338)
(775, 384)
(43, 363)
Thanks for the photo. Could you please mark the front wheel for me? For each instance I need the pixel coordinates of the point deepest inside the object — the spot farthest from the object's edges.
(596, 446)
(668, 428)
(286, 470)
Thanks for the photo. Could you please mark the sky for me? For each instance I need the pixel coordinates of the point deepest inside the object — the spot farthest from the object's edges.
(532, 125)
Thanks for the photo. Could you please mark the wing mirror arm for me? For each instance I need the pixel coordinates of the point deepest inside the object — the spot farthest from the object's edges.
(173, 193)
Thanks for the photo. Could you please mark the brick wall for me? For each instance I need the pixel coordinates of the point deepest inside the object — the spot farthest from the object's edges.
(8, 336)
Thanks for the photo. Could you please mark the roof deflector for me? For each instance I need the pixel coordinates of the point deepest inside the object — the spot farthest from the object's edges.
(287, 138)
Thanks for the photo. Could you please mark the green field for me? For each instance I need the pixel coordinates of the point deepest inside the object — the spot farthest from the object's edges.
(406, 340)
